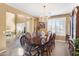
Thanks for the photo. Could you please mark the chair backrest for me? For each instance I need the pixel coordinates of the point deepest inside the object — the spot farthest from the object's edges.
(67, 37)
(49, 36)
(23, 40)
(71, 47)
(54, 36)
(34, 34)
(28, 37)
(51, 39)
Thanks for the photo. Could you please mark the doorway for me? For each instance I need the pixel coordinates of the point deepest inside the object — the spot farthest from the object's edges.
(20, 28)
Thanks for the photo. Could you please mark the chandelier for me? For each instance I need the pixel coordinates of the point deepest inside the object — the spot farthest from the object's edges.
(44, 16)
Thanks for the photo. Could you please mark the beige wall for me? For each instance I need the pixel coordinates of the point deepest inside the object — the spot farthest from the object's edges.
(2, 30)
(67, 24)
(6, 8)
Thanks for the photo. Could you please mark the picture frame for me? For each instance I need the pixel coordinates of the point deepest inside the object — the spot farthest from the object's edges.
(42, 24)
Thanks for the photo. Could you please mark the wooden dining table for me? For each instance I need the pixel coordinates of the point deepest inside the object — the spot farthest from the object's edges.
(39, 45)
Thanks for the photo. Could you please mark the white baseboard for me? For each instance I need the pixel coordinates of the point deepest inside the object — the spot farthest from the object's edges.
(60, 40)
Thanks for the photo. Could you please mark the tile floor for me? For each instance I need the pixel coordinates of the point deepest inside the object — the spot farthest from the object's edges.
(14, 49)
(61, 49)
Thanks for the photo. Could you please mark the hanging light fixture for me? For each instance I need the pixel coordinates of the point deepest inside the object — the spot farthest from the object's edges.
(44, 17)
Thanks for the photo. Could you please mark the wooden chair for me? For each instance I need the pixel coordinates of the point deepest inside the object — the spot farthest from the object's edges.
(71, 47)
(51, 43)
(70, 44)
(47, 45)
(67, 38)
(53, 40)
(29, 48)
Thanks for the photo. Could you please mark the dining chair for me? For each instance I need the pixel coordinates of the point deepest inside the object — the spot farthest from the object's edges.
(29, 48)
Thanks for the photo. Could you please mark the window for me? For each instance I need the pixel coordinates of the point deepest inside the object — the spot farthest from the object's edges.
(57, 26)
(10, 22)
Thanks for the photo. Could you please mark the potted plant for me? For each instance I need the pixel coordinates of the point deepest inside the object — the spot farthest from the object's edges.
(77, 47)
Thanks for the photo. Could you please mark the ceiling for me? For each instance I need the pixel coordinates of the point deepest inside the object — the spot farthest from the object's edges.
(37, 9)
